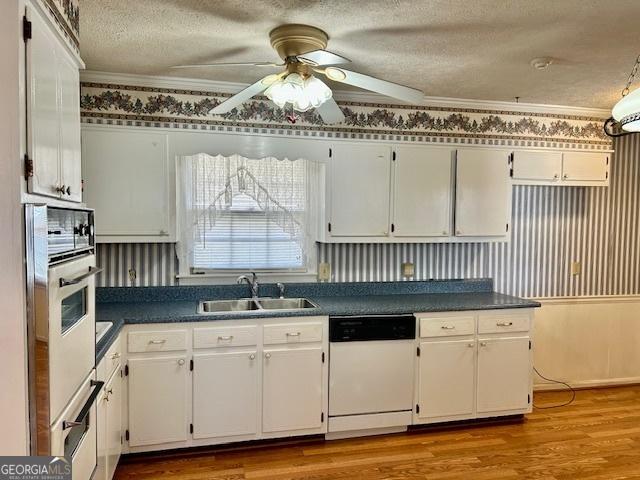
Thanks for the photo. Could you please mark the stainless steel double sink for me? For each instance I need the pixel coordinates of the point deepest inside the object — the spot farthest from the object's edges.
(253, 304)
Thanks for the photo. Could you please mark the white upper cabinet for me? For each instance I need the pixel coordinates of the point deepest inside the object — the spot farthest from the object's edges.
(422, 192)
(561, 168)
(483, 193)
(360, 183)
(126, 178)
(53, 113)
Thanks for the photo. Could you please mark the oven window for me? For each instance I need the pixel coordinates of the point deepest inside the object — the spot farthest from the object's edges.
(75, 437)
(74, 307)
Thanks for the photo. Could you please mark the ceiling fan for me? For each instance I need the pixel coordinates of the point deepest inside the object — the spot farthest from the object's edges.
(302, 49)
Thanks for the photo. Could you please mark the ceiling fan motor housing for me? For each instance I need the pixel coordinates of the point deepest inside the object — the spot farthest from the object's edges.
(295, 39)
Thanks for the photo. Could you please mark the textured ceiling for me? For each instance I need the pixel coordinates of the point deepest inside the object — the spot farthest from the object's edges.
(477, 49)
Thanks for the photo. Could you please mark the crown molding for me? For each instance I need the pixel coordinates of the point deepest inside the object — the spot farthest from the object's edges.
(181, 83)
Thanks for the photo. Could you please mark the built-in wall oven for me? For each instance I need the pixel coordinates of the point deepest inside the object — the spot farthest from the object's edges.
(61, 271)
(371, 372)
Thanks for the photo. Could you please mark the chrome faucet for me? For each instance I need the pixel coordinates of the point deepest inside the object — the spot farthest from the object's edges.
(281, 289)
(252, 282)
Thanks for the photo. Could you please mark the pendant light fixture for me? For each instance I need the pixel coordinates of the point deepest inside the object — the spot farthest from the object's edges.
(625, 116)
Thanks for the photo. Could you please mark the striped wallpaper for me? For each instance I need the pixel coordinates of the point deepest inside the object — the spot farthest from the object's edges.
(552, 227)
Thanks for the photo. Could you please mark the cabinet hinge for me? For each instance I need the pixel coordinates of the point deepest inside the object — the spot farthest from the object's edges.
(330, 153)
(26, 29)
(606, 175)
(28, 167)
(528, 399)
(322, 357)
(417, 408)
(418, 351)
(393, 227)
(191, 428)
(126, 435)
(529, 344)
(120, 373)
(121, 440)
(322, 417)
(126, 370)
(507, 227)
(191, 364)
(607, 159)
(394, 156)
(329, 227)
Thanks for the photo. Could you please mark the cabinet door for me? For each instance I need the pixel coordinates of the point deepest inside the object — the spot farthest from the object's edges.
(43, 127)
(360, 190)
(585, 166)
(114, 423)
(158, 389)
(225, 394)
(545, 166)
(483, 193)
(504, 374)
(422, 192)
(446, 378)
(126, 181)
(102, 404)
(292, 389)
(70, 163)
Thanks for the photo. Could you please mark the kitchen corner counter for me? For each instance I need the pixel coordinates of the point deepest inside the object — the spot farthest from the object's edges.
(146, 305)
(105, 342)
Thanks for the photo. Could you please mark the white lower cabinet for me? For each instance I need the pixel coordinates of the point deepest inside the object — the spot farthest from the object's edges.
(473, 365)
(225, 394)
(504, 374)
(292, 389)
(158, 399)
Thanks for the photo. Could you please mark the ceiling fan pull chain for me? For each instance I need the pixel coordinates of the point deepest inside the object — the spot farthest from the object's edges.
(634, 72)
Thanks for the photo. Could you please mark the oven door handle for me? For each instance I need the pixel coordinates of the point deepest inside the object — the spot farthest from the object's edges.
(92, 271)
(97, 386)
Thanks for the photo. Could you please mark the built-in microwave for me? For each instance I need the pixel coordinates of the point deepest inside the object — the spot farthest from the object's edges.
(70, 232)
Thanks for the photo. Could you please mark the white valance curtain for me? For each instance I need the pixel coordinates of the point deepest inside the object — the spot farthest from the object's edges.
(238, 213)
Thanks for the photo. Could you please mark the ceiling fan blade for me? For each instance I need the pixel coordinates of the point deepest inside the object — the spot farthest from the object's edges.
(239, 64)
(242, 96)
(322, 57)
(395, 90)
(330, 112)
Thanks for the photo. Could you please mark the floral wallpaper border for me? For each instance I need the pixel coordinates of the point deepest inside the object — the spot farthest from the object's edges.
(162, 105)
(66, 14)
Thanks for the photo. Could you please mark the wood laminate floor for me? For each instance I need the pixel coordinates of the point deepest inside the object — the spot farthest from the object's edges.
(597, 437)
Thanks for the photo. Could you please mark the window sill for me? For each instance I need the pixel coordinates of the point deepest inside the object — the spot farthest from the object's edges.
(224, 278)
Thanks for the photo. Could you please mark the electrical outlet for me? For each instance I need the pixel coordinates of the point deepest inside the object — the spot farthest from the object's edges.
(408, 270)
(576, 268)
(132, 276)
(324, 272)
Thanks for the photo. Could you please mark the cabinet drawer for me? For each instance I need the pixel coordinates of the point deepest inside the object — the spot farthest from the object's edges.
(292, 333)
(217, 337)
(157, 341)
(447, 326)
(501, 323)
(113, 358)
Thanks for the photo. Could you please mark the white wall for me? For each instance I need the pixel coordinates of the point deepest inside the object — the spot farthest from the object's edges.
(13, 372)
(588, 341)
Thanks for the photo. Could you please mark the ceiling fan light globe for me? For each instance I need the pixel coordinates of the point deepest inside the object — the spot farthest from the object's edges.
(317, 91)
(627, 111)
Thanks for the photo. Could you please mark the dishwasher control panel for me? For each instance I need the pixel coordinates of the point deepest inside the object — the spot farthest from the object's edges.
(370, 328)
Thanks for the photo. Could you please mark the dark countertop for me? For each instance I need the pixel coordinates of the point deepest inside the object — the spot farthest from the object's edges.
(179, 304)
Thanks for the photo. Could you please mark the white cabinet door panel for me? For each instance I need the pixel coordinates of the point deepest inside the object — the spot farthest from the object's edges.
(225, 394)
(504, 374)
(537, 165)
(483, 193)
(70, 162)
(42, 107)
(360, 190)
(292, 389)
(126, 177)
(422, 192)
(158, 410)
(585, 166)
(114, 424)
(446, 378)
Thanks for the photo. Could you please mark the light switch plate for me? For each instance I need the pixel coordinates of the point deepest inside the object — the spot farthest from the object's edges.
(408, 269)
(324, 272)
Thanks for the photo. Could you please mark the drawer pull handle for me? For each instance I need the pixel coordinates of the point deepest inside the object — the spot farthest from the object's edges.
(448, 327)
(252, 356)
(293, 334)
(114, 356)
(483, 344)
(504, 324)
(267, 355)
(181, 362)
(225, 338)
(157, 342)
(470, 345)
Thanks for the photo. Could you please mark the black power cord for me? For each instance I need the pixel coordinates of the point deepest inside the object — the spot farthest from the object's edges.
(573, 392)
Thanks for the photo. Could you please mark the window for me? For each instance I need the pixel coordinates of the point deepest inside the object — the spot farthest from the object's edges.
(238, 213)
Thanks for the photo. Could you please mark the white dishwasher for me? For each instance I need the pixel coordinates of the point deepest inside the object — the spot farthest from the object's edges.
(371, 372)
